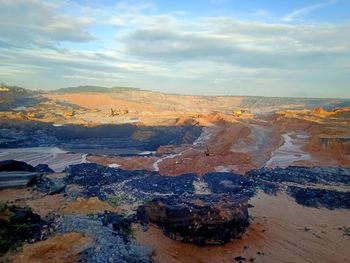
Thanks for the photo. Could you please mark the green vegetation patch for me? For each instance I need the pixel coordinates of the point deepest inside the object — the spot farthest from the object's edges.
(117, 200)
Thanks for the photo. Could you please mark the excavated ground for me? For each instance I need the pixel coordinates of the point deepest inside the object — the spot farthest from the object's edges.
(297, 213)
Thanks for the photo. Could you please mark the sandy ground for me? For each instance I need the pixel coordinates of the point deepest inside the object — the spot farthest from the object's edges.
(41, 204)
(100, 101)
(281, 231)
(56, 249)
(88, 206)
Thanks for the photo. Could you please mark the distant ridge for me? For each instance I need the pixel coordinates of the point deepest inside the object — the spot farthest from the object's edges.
(93, 89)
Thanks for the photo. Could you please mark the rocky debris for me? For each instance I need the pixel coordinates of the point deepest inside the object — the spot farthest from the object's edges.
(18, 225)
(297, 178)
(108, 245)
(302, 175)
(49, 186)
(314, 197)
(91, 174)
(218, 214)
(157, 185)
(101, 181)
(97, 179)
(229, 183)
(198, 219)
(212, 218)
(120, 224)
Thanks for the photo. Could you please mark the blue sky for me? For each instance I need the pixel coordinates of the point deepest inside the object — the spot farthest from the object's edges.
(209, 47)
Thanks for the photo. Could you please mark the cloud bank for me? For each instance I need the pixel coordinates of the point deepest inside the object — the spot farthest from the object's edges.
(53, 44)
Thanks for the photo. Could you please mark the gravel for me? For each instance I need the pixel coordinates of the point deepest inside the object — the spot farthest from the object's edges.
(109, 245)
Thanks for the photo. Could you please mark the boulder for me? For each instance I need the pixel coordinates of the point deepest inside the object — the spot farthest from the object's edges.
(43, 168)
(12, 165)
(198, 219)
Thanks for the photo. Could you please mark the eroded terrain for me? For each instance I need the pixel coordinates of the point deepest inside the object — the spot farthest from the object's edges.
(100, 167)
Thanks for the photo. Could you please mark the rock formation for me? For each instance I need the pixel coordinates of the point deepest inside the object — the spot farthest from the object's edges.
(210, 219)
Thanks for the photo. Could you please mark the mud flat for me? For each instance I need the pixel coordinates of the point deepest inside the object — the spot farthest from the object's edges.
(290, 152)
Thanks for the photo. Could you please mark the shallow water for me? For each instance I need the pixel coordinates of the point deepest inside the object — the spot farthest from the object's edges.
(289, 152)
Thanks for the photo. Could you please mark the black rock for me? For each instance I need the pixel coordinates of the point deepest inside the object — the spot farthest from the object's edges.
(239, 258)
(315, 197)
(155, 183)
(209, 219)
(43, 168)
(301, 175)
(12, 165)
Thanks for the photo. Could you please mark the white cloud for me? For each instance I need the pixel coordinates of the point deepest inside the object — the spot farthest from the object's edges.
(167, 50)
(306, 10)
(40, 23)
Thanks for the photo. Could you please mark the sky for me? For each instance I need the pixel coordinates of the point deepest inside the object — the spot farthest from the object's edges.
(204, 47)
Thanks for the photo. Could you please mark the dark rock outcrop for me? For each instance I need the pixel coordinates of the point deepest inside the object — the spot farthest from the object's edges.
(301, 175)
(325, 181)
(206, 219)
(314, 197)
(12, 165)
(43, 168)
(212, 218)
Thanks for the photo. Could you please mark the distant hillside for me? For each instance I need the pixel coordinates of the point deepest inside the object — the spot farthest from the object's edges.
(265, 104)
(93, 89)
(13, 96)
(177, 102)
